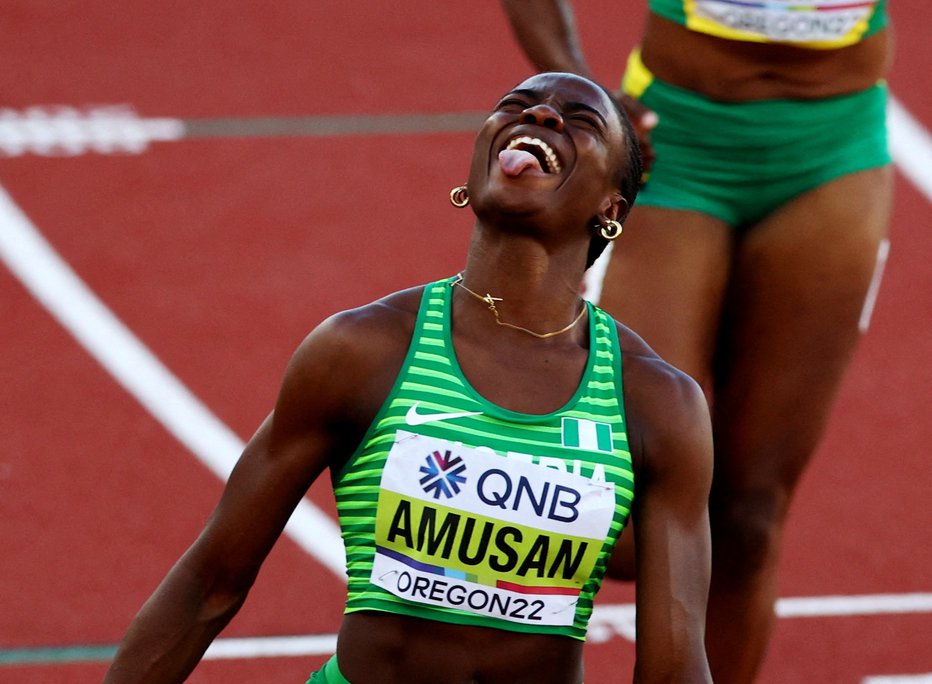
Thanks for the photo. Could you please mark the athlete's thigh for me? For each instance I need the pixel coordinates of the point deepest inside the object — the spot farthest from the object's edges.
(666, 280)
(791, 323)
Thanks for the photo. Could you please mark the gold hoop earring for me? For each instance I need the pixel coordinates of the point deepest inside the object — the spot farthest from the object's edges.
(459, 196)
(611, 229)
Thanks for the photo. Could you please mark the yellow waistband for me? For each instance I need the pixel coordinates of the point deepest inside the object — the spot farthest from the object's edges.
(637, 76)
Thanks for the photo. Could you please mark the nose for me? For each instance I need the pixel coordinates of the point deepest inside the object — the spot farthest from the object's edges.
(543, 115)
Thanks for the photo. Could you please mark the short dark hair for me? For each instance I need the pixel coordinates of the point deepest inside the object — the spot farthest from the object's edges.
(628, 170)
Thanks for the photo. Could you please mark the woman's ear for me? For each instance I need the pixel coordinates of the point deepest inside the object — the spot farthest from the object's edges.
(615, 208)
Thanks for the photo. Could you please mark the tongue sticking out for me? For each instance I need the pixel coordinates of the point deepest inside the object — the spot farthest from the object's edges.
(515, 162)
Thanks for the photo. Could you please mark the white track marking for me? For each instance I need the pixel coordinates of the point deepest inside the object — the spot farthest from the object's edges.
(911, 147)
(883, 252)
(899, 679)
(272, 647)
(66, 131)
(611, 620)
(595, 274)
(50, 280)
(608, 621)
(869, 604)
(62, 131)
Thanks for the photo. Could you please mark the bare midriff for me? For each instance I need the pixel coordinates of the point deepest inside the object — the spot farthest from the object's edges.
(738, 71)
(397, 648)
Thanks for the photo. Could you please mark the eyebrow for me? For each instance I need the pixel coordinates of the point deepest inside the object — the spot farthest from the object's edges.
(575, 106)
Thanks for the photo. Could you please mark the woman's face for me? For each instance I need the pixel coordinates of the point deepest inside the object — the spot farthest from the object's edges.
(548, 153)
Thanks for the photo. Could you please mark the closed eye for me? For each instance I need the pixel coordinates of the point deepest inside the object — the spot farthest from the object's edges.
(519, 97)
(580, 111)
(512, 103)
(588, 120)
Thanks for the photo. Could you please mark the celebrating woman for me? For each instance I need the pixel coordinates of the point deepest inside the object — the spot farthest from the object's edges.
(484, 452)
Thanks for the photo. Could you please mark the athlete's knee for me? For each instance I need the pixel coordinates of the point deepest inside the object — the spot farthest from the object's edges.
(746, 530)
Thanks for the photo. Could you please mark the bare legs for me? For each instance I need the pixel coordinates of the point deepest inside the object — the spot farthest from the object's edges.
(767, 322)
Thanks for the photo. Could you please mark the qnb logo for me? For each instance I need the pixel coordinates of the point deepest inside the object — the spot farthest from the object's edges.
(62, 131)
(442, 474)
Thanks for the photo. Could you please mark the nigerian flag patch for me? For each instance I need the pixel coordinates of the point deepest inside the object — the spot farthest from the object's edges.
(579, 433)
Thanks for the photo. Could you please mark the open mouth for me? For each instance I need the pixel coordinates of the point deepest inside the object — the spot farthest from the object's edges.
(549, 162)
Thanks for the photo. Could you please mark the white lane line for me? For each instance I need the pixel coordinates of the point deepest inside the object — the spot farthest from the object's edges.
(619, 619)
(911, 146)
(272, 647)
(899, 679)
(595, 275)
(67, 131)
(64, 131)
(870, 299)
(53, 283)
(608, 621)
(870, 604)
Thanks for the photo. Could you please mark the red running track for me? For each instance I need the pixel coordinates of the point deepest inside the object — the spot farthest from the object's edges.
(221, 253)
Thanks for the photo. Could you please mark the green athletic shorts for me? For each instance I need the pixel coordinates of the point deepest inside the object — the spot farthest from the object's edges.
(740, 161)
(328, 674)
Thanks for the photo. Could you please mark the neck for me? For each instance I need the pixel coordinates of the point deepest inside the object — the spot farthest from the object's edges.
(536, 278)
(539, 302)
(493, 302)
(519, 267)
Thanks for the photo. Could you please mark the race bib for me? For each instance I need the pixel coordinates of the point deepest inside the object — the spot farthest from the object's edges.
(465, 528)
(825, 23)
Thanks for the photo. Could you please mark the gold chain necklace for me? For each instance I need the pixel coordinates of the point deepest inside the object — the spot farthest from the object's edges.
(489, 300)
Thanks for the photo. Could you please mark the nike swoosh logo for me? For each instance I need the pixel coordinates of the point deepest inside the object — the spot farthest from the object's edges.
(412, 417)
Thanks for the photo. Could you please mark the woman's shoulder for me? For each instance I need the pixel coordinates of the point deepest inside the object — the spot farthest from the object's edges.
(366, 333)
(666, 408)
(344, 368)
(650, 376)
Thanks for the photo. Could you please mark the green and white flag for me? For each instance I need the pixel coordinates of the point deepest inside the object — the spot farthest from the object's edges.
(579, 433)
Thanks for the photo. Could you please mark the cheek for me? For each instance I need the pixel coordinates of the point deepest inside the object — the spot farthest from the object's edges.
(597, 169)
(482, 151)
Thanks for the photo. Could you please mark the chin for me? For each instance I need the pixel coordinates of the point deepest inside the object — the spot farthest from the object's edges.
(508, 206)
